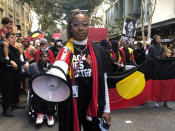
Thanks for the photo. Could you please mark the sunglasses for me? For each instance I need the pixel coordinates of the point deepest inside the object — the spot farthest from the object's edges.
(77, 24)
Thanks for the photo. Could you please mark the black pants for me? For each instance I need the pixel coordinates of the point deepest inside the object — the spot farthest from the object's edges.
(66, 122)
(65, 115)
(23, 80)
(89, 125)
(10, 88)
(42, 106)
(0, 83)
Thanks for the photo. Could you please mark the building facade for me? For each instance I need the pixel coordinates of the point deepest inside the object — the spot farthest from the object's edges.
(119, 10)
(99, 11)
(20, 14)
(163, 21)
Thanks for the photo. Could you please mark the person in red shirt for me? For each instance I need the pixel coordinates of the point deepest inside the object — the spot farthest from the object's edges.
(44, 48)
(29, 50)
(6, 28)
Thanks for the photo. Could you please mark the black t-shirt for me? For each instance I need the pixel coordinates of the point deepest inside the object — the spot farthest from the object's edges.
(139, 56)
(83, 78)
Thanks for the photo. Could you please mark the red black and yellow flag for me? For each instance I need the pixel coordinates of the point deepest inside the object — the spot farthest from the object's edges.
(154, 80)
(36, 35)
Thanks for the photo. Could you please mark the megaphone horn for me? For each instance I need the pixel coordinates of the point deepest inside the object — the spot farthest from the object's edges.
(52, 86)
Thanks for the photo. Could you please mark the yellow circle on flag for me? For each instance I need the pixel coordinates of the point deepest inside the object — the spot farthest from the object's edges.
(131, 86)
(35, 35)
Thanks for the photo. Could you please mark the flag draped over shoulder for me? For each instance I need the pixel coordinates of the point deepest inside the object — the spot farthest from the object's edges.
(153, 80)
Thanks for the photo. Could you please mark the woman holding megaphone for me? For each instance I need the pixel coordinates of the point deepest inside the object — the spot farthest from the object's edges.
(89, 99)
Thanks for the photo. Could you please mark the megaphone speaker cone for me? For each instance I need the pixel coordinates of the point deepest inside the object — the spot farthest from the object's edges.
(50, 87)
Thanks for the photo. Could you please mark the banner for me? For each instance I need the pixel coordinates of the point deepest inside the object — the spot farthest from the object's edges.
(129, 30)
(98, 34)
(153, 80)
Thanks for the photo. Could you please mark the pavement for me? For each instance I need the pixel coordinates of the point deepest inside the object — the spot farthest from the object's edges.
(144, 118)
(141, 118)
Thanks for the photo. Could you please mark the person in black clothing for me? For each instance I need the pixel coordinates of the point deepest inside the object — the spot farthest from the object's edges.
(11, 72)
(139, 54)
(116, 56)
(87, 79)
(105, 44)
(41, 107)
(156, 51)
(57, 46)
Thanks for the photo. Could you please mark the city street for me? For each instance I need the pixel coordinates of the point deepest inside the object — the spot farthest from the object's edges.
(142, 118)
(60, 49)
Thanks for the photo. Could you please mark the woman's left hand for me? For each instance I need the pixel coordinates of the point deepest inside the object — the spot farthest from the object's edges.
(108, 117)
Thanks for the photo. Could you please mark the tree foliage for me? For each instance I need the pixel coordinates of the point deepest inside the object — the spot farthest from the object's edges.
(96, 20)
(51, 12)
(89, 5)
(46, 10)
(57, 7)
(117, 27)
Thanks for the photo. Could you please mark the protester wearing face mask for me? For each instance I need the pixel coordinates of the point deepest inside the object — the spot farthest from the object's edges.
(44, 48)
(57, 46)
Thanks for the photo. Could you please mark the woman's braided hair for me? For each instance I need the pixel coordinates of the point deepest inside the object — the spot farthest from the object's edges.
(71, 16)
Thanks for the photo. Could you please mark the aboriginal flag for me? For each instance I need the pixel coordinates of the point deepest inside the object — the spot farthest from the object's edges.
(36, 35)
(153, 80)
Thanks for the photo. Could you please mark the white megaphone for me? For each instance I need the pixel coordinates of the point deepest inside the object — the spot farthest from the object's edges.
(52, 86)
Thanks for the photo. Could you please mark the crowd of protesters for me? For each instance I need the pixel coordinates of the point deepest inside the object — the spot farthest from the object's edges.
(18, 58)
(125, 53)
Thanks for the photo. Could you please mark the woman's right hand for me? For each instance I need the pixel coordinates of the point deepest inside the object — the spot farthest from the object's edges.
(107, 116)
